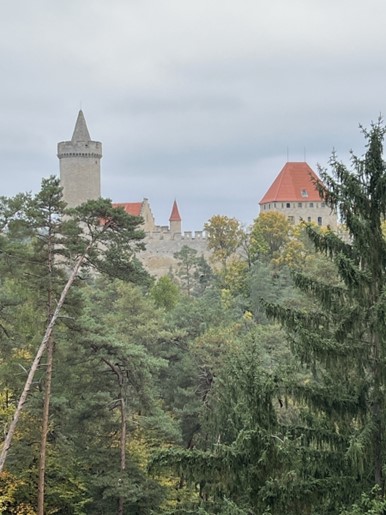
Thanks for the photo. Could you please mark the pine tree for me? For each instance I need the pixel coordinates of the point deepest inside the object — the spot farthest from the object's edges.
(50, 243)
(50, 231)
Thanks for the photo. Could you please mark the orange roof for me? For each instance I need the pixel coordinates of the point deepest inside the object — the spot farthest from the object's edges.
(294, 183)
(175, 214)
(132, 208)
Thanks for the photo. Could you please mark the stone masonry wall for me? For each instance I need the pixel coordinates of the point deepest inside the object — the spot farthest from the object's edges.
(80, 171)
(307, 211)
(158, 257)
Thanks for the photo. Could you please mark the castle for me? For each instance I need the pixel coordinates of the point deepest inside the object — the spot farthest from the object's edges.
(80, 172)
(293, 193)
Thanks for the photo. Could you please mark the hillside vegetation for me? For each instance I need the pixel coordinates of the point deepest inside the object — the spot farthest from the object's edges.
(250, 383)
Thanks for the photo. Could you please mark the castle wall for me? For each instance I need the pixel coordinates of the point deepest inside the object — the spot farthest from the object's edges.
(158, 257)
(148, 218)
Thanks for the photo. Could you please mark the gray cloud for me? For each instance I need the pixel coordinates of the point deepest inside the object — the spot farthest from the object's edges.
(199, 101)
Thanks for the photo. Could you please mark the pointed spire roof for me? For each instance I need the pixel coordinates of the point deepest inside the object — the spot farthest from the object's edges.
(175, 214)
(295, 183)
(81, 131)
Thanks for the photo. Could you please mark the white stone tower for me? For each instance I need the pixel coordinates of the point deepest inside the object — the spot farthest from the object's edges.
(175, 220)
(80, 172)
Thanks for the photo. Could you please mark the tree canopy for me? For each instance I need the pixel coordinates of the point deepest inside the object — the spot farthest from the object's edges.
(252, 383)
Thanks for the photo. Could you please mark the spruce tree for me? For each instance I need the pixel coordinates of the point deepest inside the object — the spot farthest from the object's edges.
(342, 338)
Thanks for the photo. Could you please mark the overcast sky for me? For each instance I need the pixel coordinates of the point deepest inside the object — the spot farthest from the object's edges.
(196, 100)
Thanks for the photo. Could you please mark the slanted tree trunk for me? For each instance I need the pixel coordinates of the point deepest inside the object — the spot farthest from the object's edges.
(48, 381)
(35, 364)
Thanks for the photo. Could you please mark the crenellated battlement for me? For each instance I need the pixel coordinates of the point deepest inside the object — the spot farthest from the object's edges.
(164, 233)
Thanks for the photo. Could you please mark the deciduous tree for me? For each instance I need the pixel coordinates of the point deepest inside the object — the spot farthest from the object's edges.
(224, 236)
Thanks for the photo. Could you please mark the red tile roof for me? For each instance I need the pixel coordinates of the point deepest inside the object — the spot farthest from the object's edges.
(132, 208)
(294, 183)
(175, 214)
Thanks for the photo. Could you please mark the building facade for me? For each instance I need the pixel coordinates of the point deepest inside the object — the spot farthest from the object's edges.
(294, 193)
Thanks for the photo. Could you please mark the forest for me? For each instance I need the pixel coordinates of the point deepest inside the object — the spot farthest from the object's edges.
(251, 383)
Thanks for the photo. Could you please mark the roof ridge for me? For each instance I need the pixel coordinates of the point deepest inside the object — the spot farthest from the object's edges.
(294, 177)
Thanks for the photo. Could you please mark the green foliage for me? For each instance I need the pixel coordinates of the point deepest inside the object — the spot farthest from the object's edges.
(182, 400)
(193, 272)
(341, 334)
(269, 233)
(187, 262)
(225, 236)
(241, 432)
(372, 504)
(165, 293)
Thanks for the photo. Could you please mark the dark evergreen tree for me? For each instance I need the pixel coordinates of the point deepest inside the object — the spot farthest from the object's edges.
(44, 241)
(112, 403)
(343, 341)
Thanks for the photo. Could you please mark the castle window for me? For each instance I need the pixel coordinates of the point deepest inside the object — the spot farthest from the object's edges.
(291, 220)
(300, 204)
(288, 204)
(282, 204)
(311, 204)
(274, 205)
(304, 193)
(308, 219)
(322, 204)
(319, 220)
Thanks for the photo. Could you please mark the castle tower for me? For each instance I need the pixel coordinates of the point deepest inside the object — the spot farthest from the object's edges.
(294, 193)
(80, 165)
(175, 220)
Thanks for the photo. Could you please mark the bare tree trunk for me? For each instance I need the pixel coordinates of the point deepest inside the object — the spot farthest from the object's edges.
(45, 425)
(377, 410)
(122, 442)
(37, 359)
(47, 385)
(123, 412)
